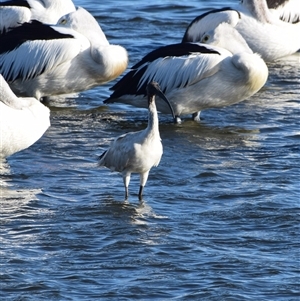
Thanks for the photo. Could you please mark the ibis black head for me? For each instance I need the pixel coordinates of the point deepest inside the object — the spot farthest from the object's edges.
(154, 89)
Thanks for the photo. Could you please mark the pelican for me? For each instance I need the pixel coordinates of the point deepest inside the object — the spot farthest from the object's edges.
(39, 60)
(196, 76)
(138, 152)
(265, 32)
(22, 121)
(15, 12)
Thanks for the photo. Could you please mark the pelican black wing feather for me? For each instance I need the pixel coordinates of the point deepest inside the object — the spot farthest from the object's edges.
(179, 49)
(22, 3)
(31, 31)
(129, 83)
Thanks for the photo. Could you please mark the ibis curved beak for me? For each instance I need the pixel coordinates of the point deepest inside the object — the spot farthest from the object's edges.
(154, 89)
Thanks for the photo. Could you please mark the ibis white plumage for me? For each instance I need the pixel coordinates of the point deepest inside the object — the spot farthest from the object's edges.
(39, 60)
(22, 121)
(15, 12)
(196, 76)
(269, 33)
(138, 152)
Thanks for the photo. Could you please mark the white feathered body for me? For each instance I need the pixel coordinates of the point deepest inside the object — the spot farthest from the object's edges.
(70, 67)
(219, 74)
(214, 80)
(266, 31)
(272, 38)
(46, 11)
(77, 58)
(49, 11)
(134, 152)
(22, 121)
(11, 17)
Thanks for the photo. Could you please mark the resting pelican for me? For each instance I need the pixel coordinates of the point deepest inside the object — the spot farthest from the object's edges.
(138, 152)
(196, 76)
(22, 121)
(15, 12)
(264, 31)
(40, 60)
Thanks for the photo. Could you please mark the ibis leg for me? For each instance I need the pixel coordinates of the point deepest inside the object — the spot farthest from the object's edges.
(141, 192)
(126, 180)
(143, 180)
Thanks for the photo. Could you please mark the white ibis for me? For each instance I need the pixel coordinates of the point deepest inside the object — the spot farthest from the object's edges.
(22, 121)
(15, 12)
(196, 76)
(138, 152)
(267, 33)
(39, 60)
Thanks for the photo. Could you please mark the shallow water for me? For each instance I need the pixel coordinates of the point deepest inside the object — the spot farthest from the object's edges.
(220, 215)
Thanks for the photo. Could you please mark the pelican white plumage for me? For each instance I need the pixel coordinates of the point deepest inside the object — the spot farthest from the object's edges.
(138, 152)
(22, 121)
(196, 76)
(266, 31)
(40, 60)
(15, 12)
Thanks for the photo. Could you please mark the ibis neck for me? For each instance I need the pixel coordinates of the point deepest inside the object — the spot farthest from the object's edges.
(152, 117)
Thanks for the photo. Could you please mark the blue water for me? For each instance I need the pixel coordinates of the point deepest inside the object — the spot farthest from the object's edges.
(220, 215)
